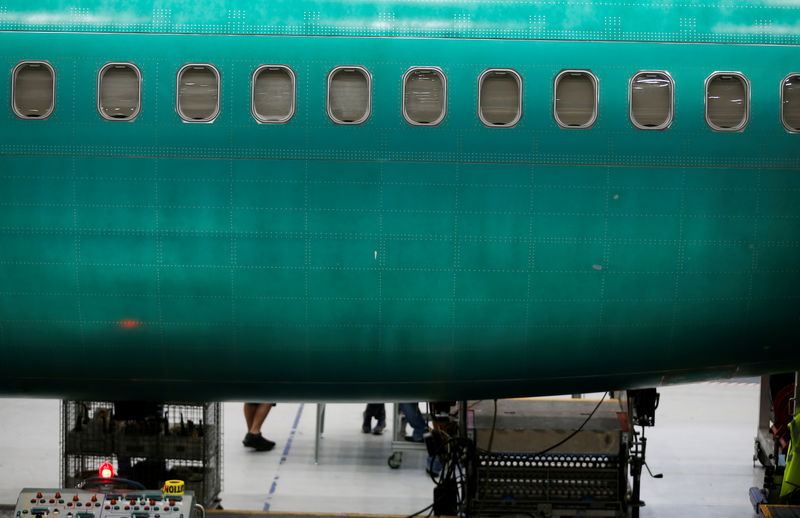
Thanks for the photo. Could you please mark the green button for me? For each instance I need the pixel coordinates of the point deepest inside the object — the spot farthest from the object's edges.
(116, 508)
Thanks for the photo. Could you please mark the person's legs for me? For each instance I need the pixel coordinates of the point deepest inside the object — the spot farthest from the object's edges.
(415, 419)
(259, 415)
(249, 412)
(433, 466)
(254, 416)
(371, 411)
(380, 416)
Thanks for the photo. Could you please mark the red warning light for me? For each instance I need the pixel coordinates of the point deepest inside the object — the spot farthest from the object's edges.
(107, 470)
(129, 323)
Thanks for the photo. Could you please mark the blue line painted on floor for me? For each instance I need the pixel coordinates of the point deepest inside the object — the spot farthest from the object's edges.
(284, 456)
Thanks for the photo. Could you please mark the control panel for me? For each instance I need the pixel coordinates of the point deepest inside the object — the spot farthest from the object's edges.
(80, 503)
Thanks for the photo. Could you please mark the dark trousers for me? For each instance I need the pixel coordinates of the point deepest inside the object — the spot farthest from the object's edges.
(376, 410)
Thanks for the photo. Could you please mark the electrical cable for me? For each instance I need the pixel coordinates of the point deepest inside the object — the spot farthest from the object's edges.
(412, 515)
(574, 433)
(571, 435)
(456, 454)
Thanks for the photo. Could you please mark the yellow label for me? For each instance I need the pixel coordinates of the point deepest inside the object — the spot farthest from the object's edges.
(173, 487)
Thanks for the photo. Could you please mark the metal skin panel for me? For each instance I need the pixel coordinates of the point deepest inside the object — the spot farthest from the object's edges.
(695, 21)
(314, 261)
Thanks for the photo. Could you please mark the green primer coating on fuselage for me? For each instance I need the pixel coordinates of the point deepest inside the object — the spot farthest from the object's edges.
(308, 260)
(691, 21)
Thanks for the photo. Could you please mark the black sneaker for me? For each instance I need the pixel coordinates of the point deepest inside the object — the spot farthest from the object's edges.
(379, 428)
(258, 442)
(367, 424)
(411, 438)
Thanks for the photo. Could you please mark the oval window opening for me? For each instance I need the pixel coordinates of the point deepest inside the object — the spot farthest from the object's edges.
(575, 99)
(273, 94)
(198, 93)
(500, 97)
(119, 91)
(349, 95)
(651, 100)
(790, 102)
(727, 101)
(424, 96)
(33, 90)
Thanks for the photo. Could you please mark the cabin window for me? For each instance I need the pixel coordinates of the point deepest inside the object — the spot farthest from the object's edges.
(349, 95)
(651, 100)
(33, 89)
(575, 99)
(790, 102)
(273, 95)
(424, 96)
(198, 93)
(500, 97)
(119, 91)
(727, 101)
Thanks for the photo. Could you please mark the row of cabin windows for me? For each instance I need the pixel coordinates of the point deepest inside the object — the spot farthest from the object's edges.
(575, 96)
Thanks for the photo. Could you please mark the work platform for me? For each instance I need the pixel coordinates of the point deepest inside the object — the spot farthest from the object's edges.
(780, 511)
(542, 457)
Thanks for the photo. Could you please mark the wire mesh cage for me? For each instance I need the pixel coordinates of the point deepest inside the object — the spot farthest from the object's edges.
(145, 442)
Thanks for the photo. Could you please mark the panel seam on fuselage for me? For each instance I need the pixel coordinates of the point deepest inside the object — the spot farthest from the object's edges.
(447, 38)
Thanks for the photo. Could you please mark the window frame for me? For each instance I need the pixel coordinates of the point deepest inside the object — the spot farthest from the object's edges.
(443, 77)
(213, 116)
(671, 116)
(99, 82)
(293, 77)
(595, 112)
(746, 119)
(14, 72)
(783, 120)
(368, 112)
(518, 77)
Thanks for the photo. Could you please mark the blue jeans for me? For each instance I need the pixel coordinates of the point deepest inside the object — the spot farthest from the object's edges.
(418, 424)
(415, 419)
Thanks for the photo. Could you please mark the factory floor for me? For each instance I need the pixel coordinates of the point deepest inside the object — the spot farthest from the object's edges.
(702, 442)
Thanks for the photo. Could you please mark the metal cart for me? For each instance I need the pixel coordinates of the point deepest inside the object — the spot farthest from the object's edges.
(399, 442)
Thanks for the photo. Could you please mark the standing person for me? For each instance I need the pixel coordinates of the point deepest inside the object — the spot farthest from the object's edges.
(254, 416)
(378, 411)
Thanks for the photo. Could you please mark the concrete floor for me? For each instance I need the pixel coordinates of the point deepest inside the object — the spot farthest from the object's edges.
(702, 442)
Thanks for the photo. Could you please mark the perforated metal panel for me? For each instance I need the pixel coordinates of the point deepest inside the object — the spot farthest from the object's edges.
(521, 483)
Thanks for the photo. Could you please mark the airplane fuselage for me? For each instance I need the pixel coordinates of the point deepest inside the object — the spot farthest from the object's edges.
(232, 259)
